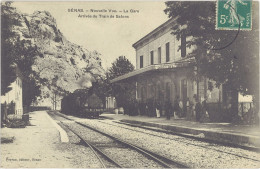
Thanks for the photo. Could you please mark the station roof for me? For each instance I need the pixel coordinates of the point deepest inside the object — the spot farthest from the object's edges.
(149, 35)
(169, 65)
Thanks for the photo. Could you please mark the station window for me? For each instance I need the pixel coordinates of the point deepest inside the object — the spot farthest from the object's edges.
(151, 54)
(141, 61)
(167, 52)
(159, 55)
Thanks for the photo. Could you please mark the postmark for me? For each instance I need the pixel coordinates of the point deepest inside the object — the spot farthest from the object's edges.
(234, 15)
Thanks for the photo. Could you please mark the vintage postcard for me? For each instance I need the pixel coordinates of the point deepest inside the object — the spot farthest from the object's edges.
(130, 84)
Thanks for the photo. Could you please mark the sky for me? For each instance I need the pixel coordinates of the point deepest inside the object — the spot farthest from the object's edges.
(112, 37)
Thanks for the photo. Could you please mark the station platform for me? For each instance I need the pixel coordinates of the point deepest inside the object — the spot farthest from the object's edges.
(38, 145)
(242, 135)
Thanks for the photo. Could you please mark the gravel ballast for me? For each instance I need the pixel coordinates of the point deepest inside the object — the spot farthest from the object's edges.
(126, 157)
(182, 149)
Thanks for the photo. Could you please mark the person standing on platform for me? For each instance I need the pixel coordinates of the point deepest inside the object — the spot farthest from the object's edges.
(146, 109)
(188, 109)
(204, 110)
(181, 114)
(176, 108)
(198, 109)
(139, 108)
(168, 110)
(193, 106)
(158, 108)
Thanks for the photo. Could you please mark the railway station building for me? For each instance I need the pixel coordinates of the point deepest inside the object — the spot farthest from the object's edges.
(163, 72)
(13, 99)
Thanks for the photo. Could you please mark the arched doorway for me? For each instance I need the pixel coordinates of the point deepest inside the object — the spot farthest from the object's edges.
(168, 91)
(143, 93)
(173, 92)
(158, 89)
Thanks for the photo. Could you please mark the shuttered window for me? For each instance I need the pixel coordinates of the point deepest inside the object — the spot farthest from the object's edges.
(159, 55)
(151, 55)
(141, 61)
(167, 52)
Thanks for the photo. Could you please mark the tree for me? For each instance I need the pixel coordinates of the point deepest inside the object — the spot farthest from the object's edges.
(228, 57)
(120, 67)
(31, 90)
(17, 51)
(7, 45)
(101, 88)
(124, 92)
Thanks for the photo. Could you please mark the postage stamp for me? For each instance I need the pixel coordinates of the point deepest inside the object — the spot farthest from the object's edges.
(234, 15)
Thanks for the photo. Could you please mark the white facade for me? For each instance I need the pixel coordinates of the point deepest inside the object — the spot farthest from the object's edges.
(164, 74)
(156, 42)
(153, 49)
(154, 46)
(15, 95)
(110, 102)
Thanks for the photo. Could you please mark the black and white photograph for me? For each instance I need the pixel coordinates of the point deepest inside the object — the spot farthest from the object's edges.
(130, 84)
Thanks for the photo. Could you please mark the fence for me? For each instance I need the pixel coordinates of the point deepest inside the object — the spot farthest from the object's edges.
(246, 113)
(216, 112)
(7, 109)
(244, 108)
(38, 108)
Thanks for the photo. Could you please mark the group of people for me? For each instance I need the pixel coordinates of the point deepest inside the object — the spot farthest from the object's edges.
(191, 109)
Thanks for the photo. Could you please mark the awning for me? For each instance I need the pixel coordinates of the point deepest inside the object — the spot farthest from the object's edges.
(169, 65)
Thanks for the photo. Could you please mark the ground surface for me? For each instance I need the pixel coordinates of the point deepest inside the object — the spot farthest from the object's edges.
(39, 146)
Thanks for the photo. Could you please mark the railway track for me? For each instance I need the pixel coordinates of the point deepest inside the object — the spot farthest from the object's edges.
(255, 149)
(206, 147)
(163, 161)
(105, 160)
(108, 150)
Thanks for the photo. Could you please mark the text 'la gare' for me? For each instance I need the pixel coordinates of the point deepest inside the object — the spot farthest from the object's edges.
(131, 11)
(104, 10)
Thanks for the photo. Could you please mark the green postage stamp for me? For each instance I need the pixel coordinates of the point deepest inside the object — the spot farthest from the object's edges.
(234, 15)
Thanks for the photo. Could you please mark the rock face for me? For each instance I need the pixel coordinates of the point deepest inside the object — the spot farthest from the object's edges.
(60, 63)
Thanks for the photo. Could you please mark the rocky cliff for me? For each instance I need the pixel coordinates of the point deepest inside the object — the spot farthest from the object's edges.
(59, 63)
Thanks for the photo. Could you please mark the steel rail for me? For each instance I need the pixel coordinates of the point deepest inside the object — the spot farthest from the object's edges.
(182, 135)
(94, 149)
(255, 149)
(164, 161)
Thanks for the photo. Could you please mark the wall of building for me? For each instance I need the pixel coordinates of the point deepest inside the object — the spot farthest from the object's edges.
(154, 45)
(15, 95)
(156, 83)
(160, 41)
(110, 102)
(150, 87)
(166, 84)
